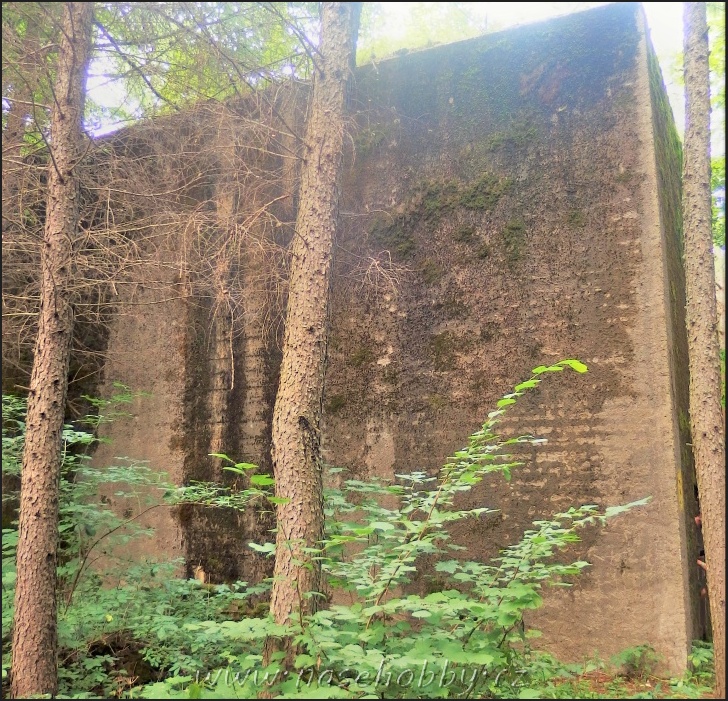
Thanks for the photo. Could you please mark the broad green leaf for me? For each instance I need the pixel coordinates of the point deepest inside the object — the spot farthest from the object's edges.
(266, 548)
(574, 364)
(382, 526)
(449, 566)
(235, 470)
(505, 402)
(615, 510)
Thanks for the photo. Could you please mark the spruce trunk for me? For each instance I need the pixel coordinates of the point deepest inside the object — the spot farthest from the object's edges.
(35, 638)
(708, 428)
(297, 414)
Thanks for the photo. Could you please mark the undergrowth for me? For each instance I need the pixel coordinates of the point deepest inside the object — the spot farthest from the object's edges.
(140, 631)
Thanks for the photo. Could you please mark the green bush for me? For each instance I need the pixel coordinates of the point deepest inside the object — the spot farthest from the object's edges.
(86, 522)
(467, 638)
(156, 636)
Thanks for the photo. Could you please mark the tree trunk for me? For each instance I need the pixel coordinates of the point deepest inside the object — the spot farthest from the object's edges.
(35, 625)
(296, 418)
(708, 427)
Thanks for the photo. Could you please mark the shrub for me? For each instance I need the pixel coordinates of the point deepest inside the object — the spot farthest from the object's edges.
(465, 639)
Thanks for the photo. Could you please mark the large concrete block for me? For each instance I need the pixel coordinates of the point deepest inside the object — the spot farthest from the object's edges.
(508, 201)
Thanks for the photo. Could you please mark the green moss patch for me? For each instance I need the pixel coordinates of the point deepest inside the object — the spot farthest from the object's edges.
(335, 403)
(429, 202)
(576, 217)
(434, 198)
(437, 401)
(361, 356)
(369, 138)
(484, 251)
(431, 272)
(443, 347)
(520, 134)
(513, 238)
(392, 232)
(489, 331)
(452, 308)
(464, 233)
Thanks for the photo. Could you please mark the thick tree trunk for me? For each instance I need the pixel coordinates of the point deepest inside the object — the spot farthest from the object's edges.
(297, 413)
(708, 429)
(34, 632)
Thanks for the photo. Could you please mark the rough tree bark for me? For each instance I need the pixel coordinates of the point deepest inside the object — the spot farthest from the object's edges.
(35, 625)
(708, 428)
(296, 418)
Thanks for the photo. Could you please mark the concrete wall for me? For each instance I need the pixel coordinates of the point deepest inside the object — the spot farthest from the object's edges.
(508, 201)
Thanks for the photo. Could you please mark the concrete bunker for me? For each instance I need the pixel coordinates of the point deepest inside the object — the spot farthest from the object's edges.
(523, 189)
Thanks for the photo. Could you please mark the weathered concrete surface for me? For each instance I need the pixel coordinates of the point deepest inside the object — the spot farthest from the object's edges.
(578, 257)
(145, 347)
(522, 188)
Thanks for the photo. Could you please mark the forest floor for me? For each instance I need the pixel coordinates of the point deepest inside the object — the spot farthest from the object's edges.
(603, 685)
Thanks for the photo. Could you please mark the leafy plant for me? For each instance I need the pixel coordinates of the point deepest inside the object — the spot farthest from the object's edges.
(464, 638)
(154, 635)
(636, 662)
(85, 521)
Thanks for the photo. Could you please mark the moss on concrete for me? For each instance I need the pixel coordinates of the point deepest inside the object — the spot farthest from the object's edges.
(483, 251)
(513, 238)
(443, 348)
(431, 271)
(452, 308)
(368, 138)
(361, 356)
(428, 203)
(576, 217)
(520, 134)
(465, 233)
(391, 231)
(335, 403)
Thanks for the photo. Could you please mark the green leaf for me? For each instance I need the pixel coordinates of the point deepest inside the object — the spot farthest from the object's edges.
(236, 470)
(279, 500)
(261, 480)
(266, 548)
(382, 526)
(505, 402)
(615, 510)
(528, 384)
(422, 613)
(449, 566)
(574, 365)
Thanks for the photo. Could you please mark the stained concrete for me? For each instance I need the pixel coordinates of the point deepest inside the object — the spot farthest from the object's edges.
(508, 201)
